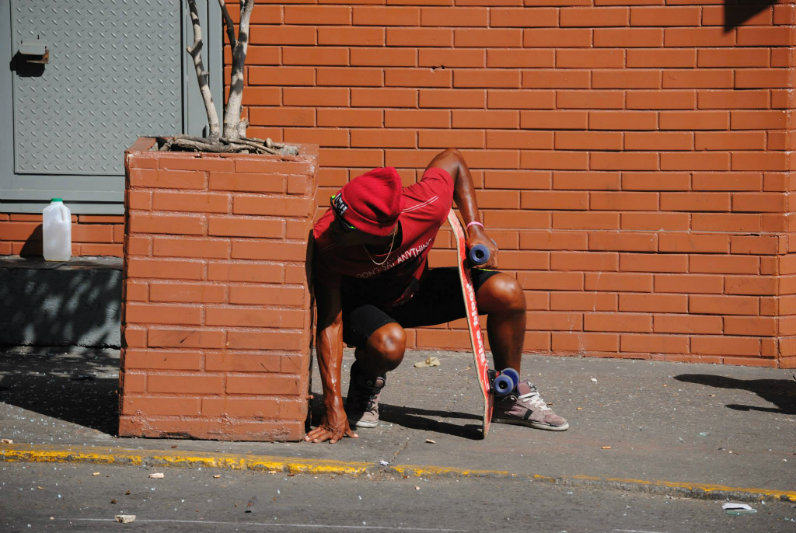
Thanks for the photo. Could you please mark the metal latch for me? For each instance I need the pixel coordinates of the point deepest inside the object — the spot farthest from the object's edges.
(34, 52)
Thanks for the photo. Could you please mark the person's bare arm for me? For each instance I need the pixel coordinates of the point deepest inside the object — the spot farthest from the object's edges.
(453, 162)
(329, 348)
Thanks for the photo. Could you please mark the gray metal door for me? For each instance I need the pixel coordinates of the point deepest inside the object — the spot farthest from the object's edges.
(111, 72)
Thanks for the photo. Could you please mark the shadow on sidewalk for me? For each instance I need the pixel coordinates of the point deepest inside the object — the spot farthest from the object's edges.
(416, 418)
(780, 392)
(81, 389)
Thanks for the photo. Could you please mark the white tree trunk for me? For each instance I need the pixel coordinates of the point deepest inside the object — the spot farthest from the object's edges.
(234, 139)
(195, 50)
(234, 127)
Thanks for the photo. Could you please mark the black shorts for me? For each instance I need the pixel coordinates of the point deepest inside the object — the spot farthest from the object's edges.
(438, 300)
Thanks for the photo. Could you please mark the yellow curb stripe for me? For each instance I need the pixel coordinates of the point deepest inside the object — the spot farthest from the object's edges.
(688, 486)
(426, 470)
(86, 454)
(709, 487)
(290, 465)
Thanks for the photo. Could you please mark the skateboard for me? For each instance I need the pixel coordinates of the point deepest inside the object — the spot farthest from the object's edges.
(492, 383)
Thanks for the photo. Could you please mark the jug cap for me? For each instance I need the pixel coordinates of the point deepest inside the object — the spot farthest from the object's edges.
(57, 200)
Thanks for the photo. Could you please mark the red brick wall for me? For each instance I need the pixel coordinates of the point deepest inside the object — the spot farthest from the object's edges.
(631, 157)
(92, 235)
(216, 321)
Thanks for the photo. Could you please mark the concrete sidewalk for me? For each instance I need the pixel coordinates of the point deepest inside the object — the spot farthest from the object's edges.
(687, 429)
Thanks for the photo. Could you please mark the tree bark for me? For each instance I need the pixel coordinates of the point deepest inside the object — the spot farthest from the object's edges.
(229, 25)
(195, 50)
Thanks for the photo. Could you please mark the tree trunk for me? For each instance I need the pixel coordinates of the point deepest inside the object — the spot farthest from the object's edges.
(234, 126)
(195, 50)
(234, 137)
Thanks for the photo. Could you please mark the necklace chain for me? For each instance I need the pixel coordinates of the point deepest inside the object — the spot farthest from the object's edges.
(389, 252)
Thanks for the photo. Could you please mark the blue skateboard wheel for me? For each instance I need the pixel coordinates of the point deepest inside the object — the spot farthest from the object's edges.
(513, 375)
(478, 255)
(502, 385)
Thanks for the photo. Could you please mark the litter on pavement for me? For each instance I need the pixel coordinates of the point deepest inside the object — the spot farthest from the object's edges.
(430, 361)
(736, 508)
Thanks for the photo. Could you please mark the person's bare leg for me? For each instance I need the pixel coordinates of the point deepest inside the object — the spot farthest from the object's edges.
(502, 300)
(384, 350)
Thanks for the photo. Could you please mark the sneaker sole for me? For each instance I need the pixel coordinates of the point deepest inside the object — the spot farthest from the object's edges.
(531, 423)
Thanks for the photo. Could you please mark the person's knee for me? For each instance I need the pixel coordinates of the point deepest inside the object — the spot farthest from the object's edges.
(501, 294)
(389, 342)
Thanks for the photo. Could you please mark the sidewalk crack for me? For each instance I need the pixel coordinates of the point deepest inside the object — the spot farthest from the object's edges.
(398, 451)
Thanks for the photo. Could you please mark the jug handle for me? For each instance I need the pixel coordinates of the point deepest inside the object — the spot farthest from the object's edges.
(62, 214)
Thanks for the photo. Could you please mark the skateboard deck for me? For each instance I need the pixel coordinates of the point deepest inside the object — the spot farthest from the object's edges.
(476, 337)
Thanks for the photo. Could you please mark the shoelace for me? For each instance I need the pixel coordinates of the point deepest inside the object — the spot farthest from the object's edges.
(534, 400)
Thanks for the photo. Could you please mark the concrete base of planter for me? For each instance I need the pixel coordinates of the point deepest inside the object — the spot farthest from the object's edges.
(73, 303)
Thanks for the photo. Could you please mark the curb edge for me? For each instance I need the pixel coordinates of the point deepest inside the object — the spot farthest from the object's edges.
(296, 465)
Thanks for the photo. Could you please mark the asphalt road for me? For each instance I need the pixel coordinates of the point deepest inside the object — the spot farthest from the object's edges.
(40, 496)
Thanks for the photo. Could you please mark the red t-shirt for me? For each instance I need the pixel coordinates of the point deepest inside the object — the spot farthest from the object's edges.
(427, 204)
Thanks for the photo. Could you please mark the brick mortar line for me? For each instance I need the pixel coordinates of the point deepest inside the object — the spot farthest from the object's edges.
(297, 465)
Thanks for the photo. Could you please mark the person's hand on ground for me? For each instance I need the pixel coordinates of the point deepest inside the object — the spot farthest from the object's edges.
(333, 427)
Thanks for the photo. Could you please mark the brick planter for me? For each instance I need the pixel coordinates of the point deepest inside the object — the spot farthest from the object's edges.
(216, 316)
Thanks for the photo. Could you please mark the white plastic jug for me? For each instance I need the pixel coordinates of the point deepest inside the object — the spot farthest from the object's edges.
(57, 231)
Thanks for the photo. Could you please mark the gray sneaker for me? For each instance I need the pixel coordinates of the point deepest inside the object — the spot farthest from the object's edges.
(525, 407)
(362, 403)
